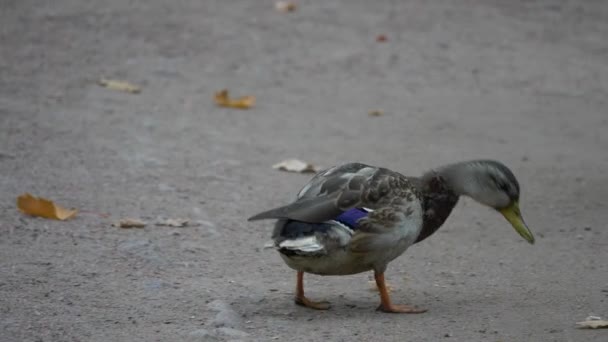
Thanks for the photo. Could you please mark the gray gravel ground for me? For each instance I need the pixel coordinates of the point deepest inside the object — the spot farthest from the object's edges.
(525, 82)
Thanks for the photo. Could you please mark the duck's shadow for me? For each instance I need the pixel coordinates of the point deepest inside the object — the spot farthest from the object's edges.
(280, 305)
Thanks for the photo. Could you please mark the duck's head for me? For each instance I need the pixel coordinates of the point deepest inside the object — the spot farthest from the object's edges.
(490, 183)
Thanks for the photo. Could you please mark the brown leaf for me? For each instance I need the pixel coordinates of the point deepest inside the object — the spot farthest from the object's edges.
(129, 223)
(285, 6)
(119, 85)
(381, 38)
(296, 165)
(223, 99)
(38, 206)
(178, 222)
(375, 112)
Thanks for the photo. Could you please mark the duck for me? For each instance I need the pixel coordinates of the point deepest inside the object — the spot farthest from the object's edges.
(354, 218)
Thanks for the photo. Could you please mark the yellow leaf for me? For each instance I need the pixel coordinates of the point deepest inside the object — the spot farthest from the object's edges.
(129, 223)
(119, 85)
(223, 99)
(38, 206)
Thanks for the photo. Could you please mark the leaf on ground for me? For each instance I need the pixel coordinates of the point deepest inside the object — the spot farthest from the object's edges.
(178, 222)
(129, 223)
(296, 165)
(38, 206)
(593, 322)
(285, 6)
(119, 85)
(381, 38)
(375, 112)
(374, 286)
(222, 99)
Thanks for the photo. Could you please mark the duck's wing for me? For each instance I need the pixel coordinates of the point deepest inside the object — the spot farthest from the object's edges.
(340, 188)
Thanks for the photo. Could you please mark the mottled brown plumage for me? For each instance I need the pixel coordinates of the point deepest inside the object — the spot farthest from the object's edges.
(438, 200)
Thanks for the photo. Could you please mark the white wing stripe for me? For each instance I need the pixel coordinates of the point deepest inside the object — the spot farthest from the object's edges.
(305, 244)
(343, 226)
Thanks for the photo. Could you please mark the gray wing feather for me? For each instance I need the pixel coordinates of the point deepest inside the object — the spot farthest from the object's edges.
(313, 210)
(335, 190)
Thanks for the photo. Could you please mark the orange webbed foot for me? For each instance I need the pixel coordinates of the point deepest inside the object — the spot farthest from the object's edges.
(303, 301)
(396, 308)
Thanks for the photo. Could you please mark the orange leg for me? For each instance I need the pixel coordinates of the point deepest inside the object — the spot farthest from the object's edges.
(302, 300)
(385, 300)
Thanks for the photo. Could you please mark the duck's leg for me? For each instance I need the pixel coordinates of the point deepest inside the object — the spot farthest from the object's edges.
(385, 300)
(302, 300)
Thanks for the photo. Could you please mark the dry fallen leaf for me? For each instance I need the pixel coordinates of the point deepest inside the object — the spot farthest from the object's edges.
(129, 223)
(381, 38)
(285, 6)
(593, 322)
(296, 165)
(178, 222)
(223, 99)
(375, 112)
(119, 85)
(38, 206)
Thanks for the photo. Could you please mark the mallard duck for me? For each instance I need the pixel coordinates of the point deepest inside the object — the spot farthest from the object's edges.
(354, 218)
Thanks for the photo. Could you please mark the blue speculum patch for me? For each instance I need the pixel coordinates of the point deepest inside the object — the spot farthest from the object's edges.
(295, 229)
(350, 217)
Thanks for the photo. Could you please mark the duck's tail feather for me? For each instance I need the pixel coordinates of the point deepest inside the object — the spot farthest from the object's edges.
(275, 213)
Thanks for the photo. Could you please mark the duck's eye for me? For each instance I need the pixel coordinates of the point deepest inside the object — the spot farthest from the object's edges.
(498, 184)
(503, 186)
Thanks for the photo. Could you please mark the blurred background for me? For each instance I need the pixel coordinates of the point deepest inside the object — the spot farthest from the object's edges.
(523, 82)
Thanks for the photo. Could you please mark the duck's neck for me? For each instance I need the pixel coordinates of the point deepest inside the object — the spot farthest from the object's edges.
(440, 189)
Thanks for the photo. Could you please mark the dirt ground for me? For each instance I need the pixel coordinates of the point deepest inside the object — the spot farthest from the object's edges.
(524, 82)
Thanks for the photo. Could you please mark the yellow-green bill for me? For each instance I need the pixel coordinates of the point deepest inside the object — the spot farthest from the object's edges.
(513, 215)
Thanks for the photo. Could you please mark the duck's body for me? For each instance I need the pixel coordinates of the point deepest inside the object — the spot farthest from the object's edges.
(327, 248)
(355, 240)
(355, 218)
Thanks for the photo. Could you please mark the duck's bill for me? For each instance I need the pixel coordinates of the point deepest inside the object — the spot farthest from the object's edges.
(513, 215)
